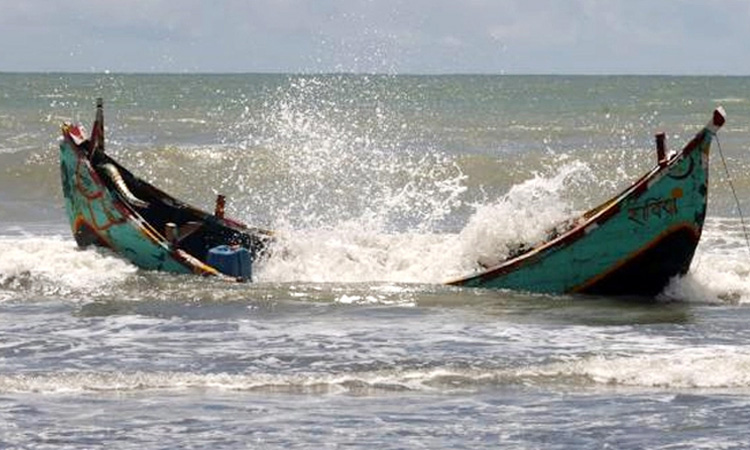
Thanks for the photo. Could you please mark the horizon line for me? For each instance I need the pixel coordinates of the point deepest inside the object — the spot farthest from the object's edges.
(352, 73)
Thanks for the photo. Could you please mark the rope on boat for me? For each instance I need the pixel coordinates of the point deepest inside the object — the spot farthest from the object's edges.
(734, 192)
(120, 185)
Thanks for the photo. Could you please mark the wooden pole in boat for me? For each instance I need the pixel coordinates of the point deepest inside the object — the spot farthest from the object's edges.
(661, 149)
(97, 134)
(219, 209)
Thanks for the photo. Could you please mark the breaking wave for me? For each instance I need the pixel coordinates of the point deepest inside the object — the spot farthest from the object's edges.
(682, 369)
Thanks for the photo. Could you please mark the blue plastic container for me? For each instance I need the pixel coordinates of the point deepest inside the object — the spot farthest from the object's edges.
(233, 261)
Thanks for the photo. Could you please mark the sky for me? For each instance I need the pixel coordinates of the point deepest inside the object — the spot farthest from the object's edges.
(671, 37)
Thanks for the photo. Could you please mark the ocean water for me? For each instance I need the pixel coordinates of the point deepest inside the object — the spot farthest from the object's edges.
(381, 188)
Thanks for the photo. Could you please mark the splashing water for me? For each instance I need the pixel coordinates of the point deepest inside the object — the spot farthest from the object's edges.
(352, 253)
(53, 266)
(334, 152)
(524, 215)
(357, 196)
(720, 272)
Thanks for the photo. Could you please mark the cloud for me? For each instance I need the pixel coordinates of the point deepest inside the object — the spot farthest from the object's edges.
(569, 36)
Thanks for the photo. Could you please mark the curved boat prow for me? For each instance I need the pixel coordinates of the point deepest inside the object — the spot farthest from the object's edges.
(717, 121)
(97, 130)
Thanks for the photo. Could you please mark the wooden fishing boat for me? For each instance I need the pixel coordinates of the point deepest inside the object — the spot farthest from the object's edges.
(110, 207)
(632, 244)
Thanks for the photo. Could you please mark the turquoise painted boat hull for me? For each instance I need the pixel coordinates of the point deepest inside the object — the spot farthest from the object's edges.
(108, 206)
(632, 244)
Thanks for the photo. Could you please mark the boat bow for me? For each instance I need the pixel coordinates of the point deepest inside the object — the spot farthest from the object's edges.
(108, 206)
(632, 244)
